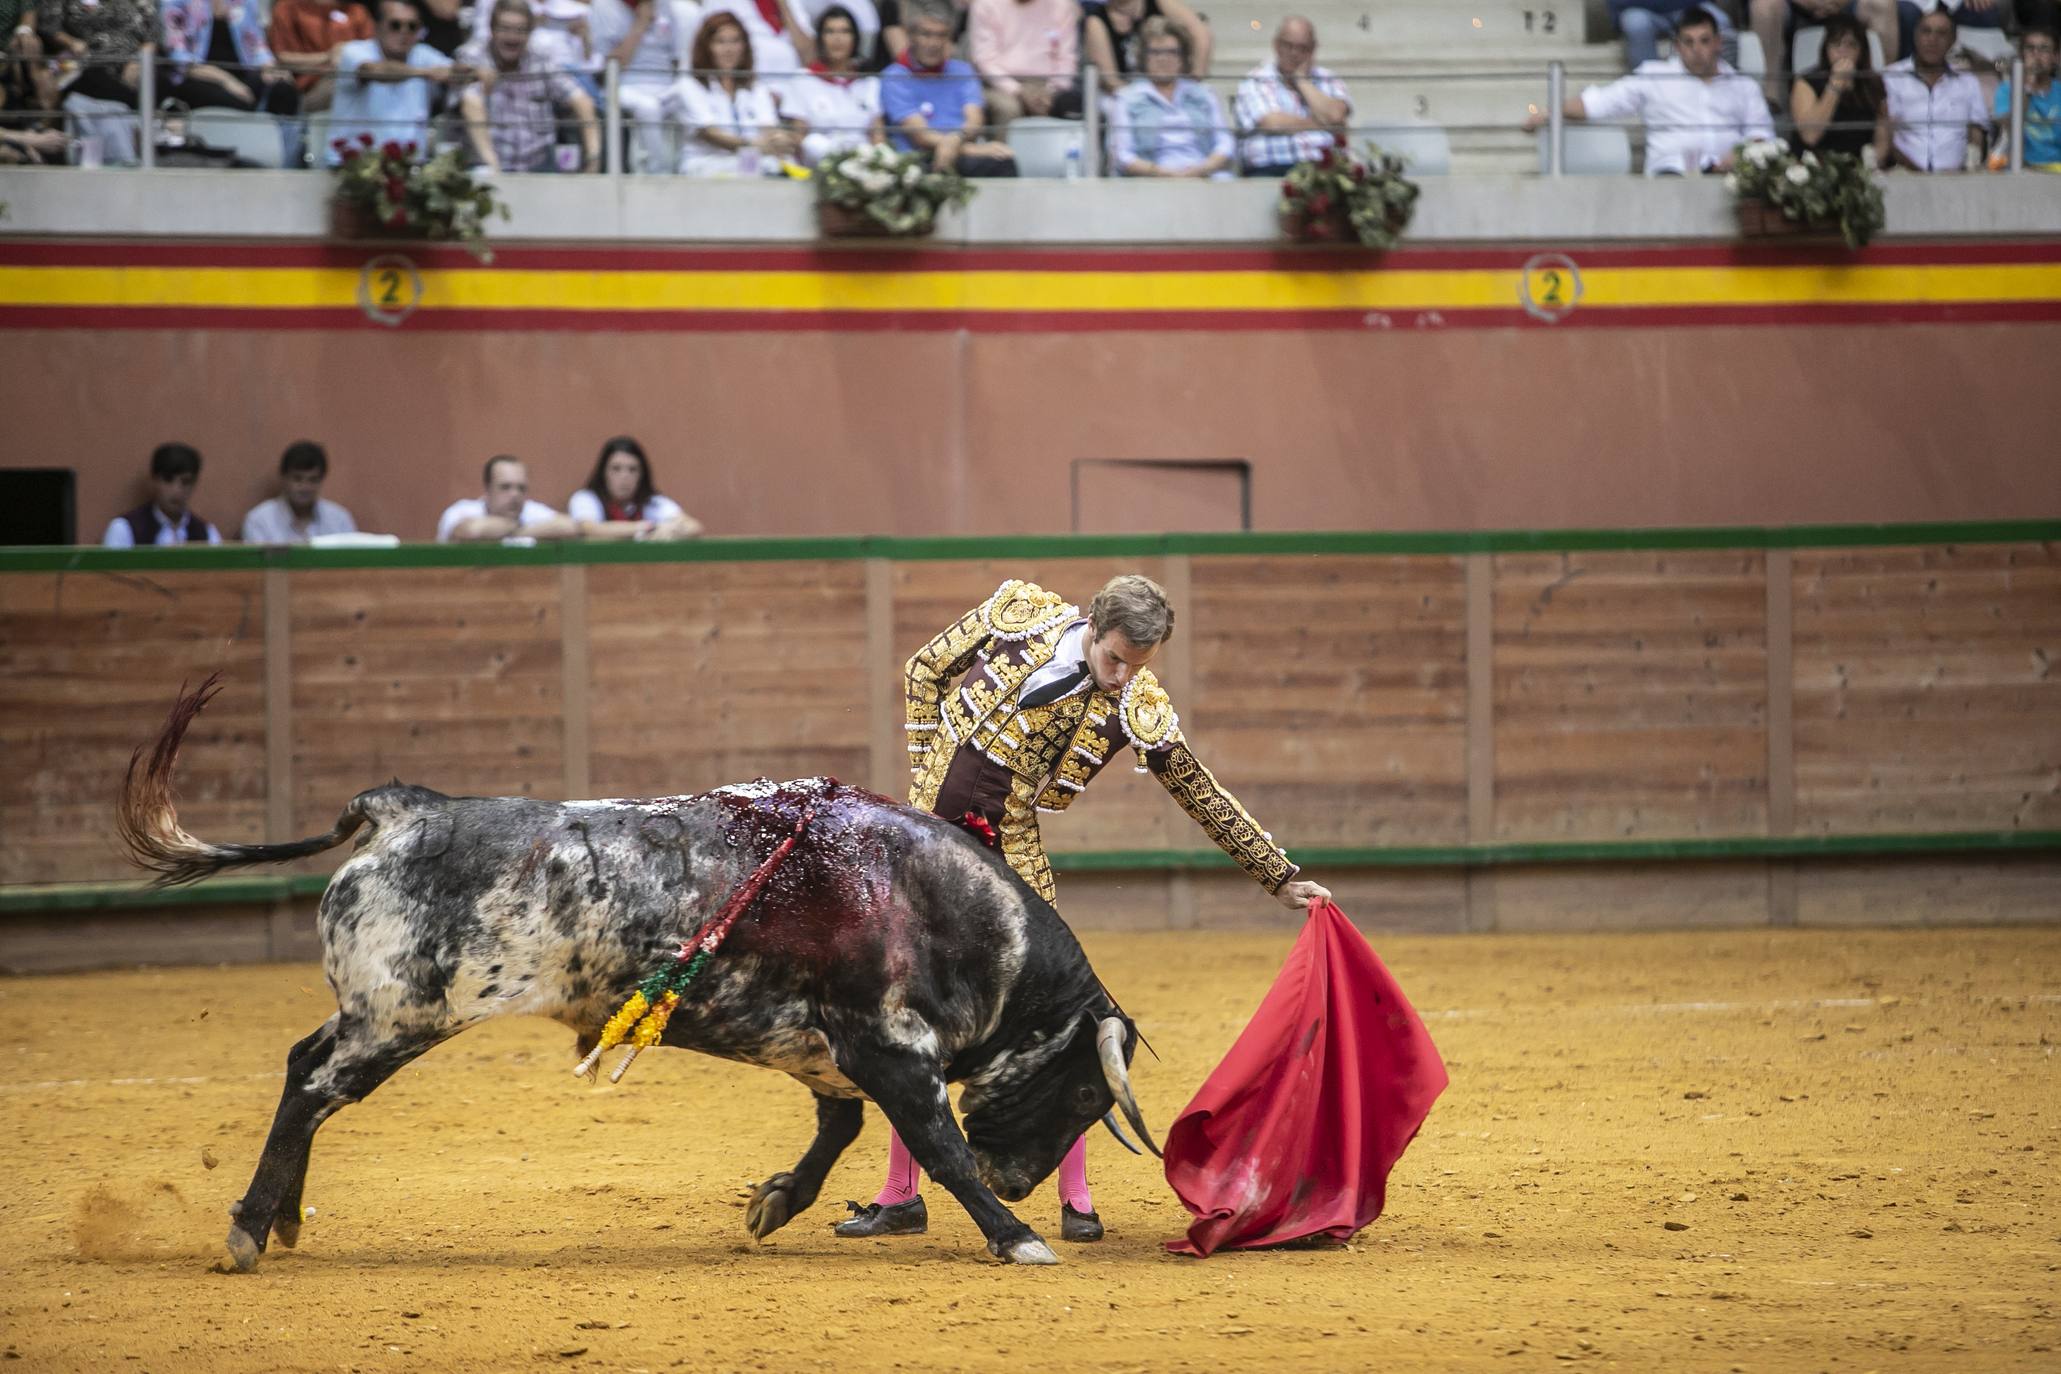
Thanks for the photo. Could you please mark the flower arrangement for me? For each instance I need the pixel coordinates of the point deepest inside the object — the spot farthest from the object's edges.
(390, 192)
(1813, 190)
(1340, 194)
(875, 189)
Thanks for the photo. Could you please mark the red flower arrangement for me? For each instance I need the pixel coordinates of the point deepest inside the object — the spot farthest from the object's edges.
(1338, 196)
(387, 188)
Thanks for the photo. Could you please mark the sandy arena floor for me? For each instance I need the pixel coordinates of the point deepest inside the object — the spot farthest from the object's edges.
(1853, 1137)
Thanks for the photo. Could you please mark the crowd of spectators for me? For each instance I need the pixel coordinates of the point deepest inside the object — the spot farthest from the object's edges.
(620, 500)
(745, 88)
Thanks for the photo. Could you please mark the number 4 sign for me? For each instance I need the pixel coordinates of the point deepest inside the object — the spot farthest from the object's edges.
(389, 289)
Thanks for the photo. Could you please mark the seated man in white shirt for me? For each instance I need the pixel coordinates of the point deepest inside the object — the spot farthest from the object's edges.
(1937, 116)
(504, 512)
(298, 512)
(168, 517)
(1696, 108)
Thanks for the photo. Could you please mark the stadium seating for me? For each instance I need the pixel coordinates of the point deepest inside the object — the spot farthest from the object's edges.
(1590, 150)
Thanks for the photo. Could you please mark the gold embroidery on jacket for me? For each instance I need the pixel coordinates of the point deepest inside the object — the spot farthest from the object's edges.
(1220, 815)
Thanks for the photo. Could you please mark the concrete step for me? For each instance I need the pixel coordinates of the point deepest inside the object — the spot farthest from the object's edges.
(1445, 26)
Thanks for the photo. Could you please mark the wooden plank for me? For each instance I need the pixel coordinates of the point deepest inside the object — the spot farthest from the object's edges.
(278, 706)
(452, 678)
(1481, 698)
(1928, 688)
(888, 742)
(1670, 896)
(1781, 729)
(2022, 889)
(1630, 695)
(573, 675)
(706, 674)
(91, 666)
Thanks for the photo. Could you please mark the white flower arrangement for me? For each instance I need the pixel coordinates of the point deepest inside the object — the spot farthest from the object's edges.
(1809, 189)
(900, 192)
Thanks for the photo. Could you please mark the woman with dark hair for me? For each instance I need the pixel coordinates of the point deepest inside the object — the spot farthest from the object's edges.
(1838, 106)
(835, 106)
(730, 122)
(619, 501)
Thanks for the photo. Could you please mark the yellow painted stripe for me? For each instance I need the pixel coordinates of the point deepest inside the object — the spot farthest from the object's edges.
(1001, 291)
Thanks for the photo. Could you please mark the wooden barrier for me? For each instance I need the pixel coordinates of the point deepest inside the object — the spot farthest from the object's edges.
(1505, 719)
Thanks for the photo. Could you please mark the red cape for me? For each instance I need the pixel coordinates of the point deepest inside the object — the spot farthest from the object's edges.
(1294, 1134)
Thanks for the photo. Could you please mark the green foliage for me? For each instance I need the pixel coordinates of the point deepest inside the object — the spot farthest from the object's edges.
(1369, 196)
(901, 192)
(1827, 189)
(437, 199)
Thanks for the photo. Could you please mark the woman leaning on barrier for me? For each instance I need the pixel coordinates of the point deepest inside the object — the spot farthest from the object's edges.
(620, 500)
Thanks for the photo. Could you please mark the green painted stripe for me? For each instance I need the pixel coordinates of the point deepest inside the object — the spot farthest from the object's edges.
(231, 557)
(1316, 860)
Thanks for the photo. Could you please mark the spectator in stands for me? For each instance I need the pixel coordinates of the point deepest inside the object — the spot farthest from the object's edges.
(2042, 104)
(865, 18)
(1696, 109)
(168, 517)
(443, 25)
(619, 501)
(1291, 108)
(219, 59)
(384, 85)
(307, 38)
(32, 124)
(1028, 52)
(105, 38)
(729, 123)
(1937, 115)
(1166, 125)
(1112, 37)
(648, 44)
(835, 106)
(1776, 22)
(511, 113)
(1645, 22)
(894, 29)
(504, 511)
(298, 512)
(781, 41)
(558, 32)
(1839, 107)
(932, 101)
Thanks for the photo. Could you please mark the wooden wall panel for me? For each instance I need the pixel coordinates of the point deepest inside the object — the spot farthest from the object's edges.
(1928, 689)
(1122, 809)
(92, 662)
(447, 677)
(703, 674)
(1975, 890)
(1331, 694)
(1630, 695)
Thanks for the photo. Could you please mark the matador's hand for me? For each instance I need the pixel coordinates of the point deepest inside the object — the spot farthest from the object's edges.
(1298, 895)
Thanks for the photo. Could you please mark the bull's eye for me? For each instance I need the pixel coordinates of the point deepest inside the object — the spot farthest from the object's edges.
(1084, 1097)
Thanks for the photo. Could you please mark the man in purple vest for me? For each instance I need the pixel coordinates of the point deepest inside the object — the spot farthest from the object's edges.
(167, 518)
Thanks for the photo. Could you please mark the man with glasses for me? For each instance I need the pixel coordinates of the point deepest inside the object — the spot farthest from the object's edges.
(1167, 125)
(384, 84)
(2042, 132)
(1291, 108)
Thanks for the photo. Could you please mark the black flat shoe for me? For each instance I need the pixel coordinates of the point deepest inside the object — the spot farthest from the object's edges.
(909, 1218)
(1078, 1225)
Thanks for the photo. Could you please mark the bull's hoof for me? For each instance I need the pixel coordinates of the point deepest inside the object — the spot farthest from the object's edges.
(244, 1252)
(287, 1231)
(1030, 1250)
(771, 1206)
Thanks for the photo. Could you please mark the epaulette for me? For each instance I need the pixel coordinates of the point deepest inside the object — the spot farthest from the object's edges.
(1019, 610)
(1148, 713)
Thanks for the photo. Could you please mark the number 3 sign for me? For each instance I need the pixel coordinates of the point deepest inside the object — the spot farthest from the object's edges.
(1550, 287)
(389, 289)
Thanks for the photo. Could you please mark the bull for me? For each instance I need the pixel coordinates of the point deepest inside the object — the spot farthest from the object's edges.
(889, 955)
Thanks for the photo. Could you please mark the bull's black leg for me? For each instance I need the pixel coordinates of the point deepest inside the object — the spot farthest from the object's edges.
(786, 1195)
(302, 1060)
(327, 1076)
(910, 1092)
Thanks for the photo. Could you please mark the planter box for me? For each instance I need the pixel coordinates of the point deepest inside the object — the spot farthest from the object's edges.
(350, 221)
(1760, 220)
(838, 222)
(1334, 227)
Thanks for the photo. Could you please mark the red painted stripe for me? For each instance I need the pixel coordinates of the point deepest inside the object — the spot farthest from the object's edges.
(1021, 322)
(943, 258)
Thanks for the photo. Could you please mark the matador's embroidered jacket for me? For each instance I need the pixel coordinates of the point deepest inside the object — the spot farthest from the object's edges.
(1053, 751)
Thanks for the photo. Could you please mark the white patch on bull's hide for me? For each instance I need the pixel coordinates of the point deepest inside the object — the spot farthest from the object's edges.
(905, 1028)
(758, 789)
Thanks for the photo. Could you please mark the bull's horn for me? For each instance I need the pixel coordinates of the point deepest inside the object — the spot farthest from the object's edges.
(1109, 1043)
(1109, 1120)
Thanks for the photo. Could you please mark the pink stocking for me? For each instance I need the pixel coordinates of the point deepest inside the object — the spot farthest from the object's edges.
(1073, 1178)
(903, 1173)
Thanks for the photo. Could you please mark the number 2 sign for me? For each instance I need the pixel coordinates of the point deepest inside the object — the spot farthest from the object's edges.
(389, 289)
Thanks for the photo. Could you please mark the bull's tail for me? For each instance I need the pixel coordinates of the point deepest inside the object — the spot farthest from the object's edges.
(149, 823)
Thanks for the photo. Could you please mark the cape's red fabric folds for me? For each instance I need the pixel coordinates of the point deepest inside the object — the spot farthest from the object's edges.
(1294, 1134)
